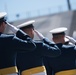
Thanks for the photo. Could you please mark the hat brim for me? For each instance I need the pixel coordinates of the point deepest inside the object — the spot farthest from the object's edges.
(26, 24)
(58, 30)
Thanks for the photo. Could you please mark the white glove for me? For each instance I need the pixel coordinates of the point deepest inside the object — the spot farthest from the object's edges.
(12, 28)
(39, 34)
(71, 39)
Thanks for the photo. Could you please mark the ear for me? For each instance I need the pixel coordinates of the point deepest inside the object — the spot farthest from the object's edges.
(52, 38)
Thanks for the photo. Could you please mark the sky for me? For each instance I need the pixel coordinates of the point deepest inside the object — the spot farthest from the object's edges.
(19, 9)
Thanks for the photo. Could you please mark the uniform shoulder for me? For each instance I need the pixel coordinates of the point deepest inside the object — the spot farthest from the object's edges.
(69, 46)
(7, 35)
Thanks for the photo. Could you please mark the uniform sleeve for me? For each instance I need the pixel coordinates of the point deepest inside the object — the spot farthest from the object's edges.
(51, 47)
(47, 41)
(23, 41)
(22, 45)
(22, 35)
(50, 51)
(46, 50)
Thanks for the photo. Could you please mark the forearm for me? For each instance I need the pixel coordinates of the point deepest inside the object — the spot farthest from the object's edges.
(20, 34)
(48, 42)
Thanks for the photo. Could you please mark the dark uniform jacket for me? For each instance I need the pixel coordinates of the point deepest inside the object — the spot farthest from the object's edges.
(65, 64)
(32, 62)
(9, 45)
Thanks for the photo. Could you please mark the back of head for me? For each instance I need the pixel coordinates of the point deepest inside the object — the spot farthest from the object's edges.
(58, 34)
(27, 27)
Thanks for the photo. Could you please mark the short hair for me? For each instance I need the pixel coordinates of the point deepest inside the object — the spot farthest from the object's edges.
(2, 20)
(56, 34)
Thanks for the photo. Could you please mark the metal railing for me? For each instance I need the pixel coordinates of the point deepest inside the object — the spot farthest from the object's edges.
(39, 12)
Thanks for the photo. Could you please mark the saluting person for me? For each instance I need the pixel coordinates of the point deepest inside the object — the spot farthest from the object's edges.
(31, 63)
(65, 64)
(10, 45)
